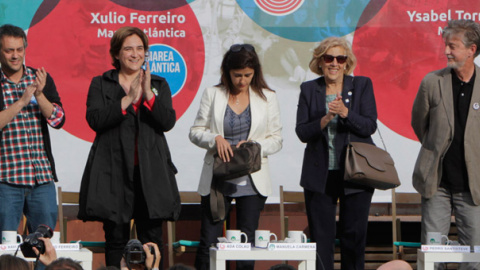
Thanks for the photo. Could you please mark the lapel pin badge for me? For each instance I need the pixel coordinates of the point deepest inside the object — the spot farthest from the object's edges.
(476, 106)
(155, 91)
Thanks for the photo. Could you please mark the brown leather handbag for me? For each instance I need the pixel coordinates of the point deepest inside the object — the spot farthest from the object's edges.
(368, 165)
(246, 160)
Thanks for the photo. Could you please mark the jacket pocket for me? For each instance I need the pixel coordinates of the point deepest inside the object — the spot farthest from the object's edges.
(424, 165)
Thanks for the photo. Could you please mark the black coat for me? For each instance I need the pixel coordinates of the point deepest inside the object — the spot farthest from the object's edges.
(104, 192)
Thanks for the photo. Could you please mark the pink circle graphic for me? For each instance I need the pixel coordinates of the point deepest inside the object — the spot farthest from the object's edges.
(279, 7)
(73, 43)
(398, 47)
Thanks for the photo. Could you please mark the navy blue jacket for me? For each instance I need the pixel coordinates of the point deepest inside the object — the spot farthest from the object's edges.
(361, 123)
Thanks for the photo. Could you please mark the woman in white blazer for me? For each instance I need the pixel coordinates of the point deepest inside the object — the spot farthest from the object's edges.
(240, 108)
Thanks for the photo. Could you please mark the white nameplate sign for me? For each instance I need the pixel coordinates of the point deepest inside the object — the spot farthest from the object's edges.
(8, 247)
(234, 246)
(292, 246)
(69, 246)
(443, 248)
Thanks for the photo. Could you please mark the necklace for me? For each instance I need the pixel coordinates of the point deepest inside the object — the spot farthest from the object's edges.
(237, 101)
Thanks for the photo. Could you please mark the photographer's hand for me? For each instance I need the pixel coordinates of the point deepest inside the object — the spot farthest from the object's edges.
(152, 261)
(50, 254)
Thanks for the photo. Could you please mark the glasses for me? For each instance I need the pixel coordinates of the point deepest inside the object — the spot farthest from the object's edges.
(329, 58)
(239, 47)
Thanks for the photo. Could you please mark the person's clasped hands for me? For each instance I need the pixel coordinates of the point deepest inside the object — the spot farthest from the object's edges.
(337, 107)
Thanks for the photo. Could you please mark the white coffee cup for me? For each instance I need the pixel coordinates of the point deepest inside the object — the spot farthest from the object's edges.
(11, 237)
(55, 238)
(297, 236)
(262, 238)
(436, 238)
(235, 236)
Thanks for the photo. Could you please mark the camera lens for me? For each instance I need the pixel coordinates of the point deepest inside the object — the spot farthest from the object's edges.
(44, 231)
(32, 241)
(134, 253)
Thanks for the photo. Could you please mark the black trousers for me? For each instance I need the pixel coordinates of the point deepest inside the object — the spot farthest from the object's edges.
(117, 235)
(248, 214)
(352, 227)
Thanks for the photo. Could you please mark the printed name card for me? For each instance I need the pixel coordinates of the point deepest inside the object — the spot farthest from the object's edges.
(8, 247)
(292, 246)
(234, 246)
(443, 248)
(69, 246)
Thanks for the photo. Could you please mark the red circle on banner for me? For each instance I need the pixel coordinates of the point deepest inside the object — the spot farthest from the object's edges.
(397, 48)
(279, 8)
(73, 41)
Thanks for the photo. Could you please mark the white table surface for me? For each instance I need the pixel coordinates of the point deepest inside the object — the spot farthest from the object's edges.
(426, 260)
(218, 258)
(84, 256)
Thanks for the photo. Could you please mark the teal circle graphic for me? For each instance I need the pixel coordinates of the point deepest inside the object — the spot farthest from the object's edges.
(18, 13)
(313, 21)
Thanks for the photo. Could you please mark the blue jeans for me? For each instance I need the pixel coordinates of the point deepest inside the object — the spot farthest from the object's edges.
(38, 203)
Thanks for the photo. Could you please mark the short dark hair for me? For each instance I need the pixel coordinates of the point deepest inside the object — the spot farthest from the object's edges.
(13, 31)
(10, 262)
(243, 56)
(468, 28)
(119, 37)
(64, 264)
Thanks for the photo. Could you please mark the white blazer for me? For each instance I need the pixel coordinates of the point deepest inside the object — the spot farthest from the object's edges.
(265, 129)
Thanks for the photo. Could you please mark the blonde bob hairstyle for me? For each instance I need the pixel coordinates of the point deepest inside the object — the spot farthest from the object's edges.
(322, 49)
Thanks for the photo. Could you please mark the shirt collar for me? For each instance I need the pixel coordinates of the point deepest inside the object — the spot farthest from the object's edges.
(457, 80)
(4, 78)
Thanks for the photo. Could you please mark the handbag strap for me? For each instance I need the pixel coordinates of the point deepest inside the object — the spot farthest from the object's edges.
(217, 203)
(378, 129)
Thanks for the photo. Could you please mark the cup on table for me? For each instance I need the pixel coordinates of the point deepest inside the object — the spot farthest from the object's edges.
(55, 238)
(262, 238)
(235, 236)
(11, 237)
(436, 238)
(297, 237)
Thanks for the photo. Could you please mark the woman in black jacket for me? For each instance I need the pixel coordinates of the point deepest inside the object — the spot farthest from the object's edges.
(129, 172)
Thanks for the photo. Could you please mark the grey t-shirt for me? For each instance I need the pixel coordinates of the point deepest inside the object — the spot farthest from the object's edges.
(236, 128)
